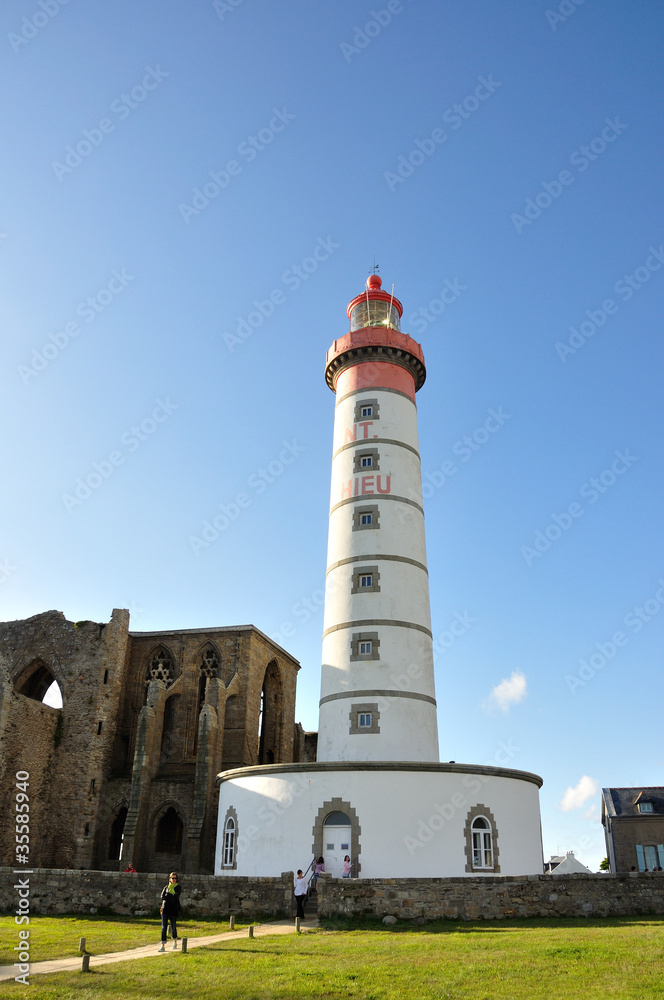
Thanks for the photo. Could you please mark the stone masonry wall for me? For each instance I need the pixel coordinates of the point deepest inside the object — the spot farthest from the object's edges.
(54, 891)
(494, 897)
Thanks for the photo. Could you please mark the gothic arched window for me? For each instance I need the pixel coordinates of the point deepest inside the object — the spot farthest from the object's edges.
(229, 849)
(161, 667)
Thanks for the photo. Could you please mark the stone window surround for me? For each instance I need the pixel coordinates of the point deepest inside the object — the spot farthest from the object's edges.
(337, 805)
(357, 417)
(230, 814)
(160, 665)
(364, 509)
(357, 638)
(210, 661)
(354, 717)
(481, 810)
(361, 571)
(366, 453)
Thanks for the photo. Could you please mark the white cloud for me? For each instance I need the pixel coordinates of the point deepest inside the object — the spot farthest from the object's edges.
(509, 692)
(574, 798)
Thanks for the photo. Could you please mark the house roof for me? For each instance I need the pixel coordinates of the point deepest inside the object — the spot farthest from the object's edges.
(566, 865)
(617, 802)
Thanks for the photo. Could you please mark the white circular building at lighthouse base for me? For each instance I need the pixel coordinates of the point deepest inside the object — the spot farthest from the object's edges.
(392, 819)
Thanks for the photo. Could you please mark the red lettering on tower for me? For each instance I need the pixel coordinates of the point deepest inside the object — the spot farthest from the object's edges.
(368, 484)
(388, 484)
(350, 434)
(366, 424)
(346, 489)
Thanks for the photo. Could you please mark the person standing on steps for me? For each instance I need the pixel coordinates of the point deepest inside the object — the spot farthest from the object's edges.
(170, 907)
(300, 893)
(319, 868)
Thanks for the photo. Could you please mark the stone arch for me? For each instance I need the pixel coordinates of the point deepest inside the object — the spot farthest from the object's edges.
(480, 811)
(34, 680)
(332, 806)
(270, 724)
(168, 829)
(116, 825)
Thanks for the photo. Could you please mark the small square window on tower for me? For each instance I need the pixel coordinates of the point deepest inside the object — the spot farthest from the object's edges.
(366, 409)
(366, 517)
(365, 646)
(364, 718)
(366, 458)
(366, 580)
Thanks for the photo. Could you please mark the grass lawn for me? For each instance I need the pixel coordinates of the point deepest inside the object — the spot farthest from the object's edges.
(58, 937)
(497, 960)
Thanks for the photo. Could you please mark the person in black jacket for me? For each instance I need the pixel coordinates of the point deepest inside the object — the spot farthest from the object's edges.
(170, 907)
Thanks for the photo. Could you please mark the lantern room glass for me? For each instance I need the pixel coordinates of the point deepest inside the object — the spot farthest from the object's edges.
(378, 313)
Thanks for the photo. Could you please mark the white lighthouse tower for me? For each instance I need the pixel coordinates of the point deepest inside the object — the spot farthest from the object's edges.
(377, 792)
(377, 691)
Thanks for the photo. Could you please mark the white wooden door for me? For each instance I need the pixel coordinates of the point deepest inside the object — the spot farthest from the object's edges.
(336, 844)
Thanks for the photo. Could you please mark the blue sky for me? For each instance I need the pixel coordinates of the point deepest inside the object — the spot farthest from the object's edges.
(502, 164)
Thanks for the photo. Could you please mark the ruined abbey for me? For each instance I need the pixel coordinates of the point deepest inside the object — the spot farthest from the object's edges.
(124, 773)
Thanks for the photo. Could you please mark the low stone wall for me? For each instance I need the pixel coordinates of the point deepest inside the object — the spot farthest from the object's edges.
(53, 891)
(494, 897)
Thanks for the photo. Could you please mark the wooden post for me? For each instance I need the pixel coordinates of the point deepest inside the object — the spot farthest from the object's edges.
(81, 946)
(85, 964)
(232, 921)
(297, 925)
(251, 931)
(184, 946)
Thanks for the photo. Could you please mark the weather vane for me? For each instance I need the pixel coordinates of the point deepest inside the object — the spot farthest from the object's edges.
(376, 268)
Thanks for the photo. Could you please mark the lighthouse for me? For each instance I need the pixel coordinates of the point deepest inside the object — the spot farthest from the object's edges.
(376, 791)
(377, 684)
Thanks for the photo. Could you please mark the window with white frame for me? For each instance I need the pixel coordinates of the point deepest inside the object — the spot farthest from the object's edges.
(364, 718)
(481, 838)
(366, 516)
(229, 847)
(645, 807)
(366, 409)
(365, 646)
(365, 459)
(365, 580)
(482, 845)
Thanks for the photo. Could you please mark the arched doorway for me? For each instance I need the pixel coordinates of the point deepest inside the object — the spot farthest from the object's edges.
(116, 838)
(168, 838)
(337, 833)
(270, 717)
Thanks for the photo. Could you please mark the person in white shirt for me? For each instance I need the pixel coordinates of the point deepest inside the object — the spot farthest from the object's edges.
(300, 893)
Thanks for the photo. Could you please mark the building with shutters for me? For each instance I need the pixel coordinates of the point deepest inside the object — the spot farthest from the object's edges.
(633, 821)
